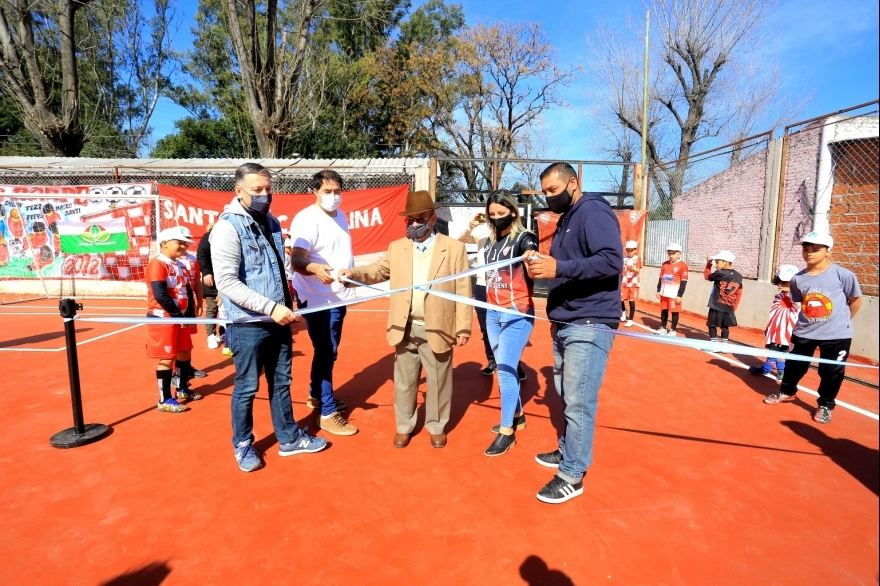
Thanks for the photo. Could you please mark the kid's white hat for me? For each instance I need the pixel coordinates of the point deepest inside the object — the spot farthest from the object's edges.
(819, 238)
(724, 255)
(786, 272)
(674, 246)
(631, 244)
(173, 233)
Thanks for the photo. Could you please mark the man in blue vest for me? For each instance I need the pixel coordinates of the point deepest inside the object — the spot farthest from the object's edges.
(247, 254)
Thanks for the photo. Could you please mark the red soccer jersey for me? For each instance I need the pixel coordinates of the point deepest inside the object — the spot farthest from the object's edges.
(176, 278)
(630, 277)
(510, 286)
(671, 276)
(194, 272)
(783, 317)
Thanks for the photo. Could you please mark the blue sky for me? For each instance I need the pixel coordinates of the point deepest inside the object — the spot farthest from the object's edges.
(828, 51)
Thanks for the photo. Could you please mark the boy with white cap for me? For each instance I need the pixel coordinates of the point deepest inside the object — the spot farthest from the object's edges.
(670, 289)
(780, 324)
(167, 281)
(830, 297)
(629, 282)
(726, 293)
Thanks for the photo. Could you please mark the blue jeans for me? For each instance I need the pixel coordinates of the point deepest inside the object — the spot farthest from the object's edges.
(325, 331)
(261, 348)
(579, 358)
(508, 335)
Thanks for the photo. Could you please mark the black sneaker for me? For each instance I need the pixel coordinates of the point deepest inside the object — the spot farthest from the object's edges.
(550, 459)
(558, 491)
(196, 373)
(519, 423)
(490, 369)
(521, 373)
(779, 375)
(501, 444)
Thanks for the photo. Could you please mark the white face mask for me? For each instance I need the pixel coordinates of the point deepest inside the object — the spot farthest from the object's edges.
(330, 201)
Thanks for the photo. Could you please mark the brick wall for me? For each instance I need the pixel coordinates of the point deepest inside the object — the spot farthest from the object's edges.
(725, 212)
(854, 210)
(799, 196)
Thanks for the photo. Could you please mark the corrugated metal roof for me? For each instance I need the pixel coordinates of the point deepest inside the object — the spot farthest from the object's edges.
(70, 164)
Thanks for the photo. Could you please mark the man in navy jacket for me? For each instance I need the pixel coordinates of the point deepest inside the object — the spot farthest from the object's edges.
(584, 266)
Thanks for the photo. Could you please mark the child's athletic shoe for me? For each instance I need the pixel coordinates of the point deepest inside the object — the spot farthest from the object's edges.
(623, 316)
(822, 415)
(779, 374)
(247, 457)
(305, 444)
(776, 398)
(629, 323)
(188, 395)
(213, 344)
(558, 491)
(171, 406)
(672, 333)
(661, 331)
(196, 373)
(227, 351)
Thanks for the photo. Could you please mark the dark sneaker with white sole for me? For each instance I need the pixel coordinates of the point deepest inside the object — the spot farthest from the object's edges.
(550, 459)
(558, 491)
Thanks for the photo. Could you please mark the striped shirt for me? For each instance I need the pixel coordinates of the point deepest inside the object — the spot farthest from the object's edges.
(783, 317)
(630, 277)
(176, 278)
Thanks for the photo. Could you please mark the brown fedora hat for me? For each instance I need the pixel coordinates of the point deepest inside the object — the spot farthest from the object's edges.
(418, 202)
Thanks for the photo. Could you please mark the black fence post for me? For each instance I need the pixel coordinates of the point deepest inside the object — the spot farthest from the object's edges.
(80, 434)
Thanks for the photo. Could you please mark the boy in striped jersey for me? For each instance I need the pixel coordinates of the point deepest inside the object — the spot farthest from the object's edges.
(780, 324)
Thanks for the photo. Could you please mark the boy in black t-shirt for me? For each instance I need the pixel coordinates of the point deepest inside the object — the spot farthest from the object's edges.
(726, 293)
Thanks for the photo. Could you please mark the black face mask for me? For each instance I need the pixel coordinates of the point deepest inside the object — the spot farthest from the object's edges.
(503, 223)
(559, 204)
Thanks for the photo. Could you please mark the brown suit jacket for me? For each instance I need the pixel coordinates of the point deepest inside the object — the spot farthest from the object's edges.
(444, 319)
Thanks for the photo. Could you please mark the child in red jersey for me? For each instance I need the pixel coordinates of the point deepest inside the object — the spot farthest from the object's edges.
(629, 282)
(670, 289)
(167, 281)
(780, 324)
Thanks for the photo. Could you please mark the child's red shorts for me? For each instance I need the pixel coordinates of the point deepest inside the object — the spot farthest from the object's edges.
(629, 293)
(165, 341)
(670, 304)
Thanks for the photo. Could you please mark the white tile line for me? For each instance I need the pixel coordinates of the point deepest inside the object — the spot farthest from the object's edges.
(843, 404)
(65, 347)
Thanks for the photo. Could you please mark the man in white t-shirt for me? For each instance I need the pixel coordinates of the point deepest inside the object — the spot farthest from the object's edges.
(320, 242)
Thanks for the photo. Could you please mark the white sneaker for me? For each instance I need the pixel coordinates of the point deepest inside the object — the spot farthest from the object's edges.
(661, 331)
(212, 342)
(623, 316)
(629, 323)
(220, 338)
(672, 333)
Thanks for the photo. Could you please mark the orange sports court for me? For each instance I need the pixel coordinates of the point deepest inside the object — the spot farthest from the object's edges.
(694, 481)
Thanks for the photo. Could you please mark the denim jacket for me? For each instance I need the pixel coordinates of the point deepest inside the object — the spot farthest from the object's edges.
(246, 270)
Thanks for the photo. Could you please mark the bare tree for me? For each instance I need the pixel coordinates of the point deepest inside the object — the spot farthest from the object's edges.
(55, 125)
(270, 59)
(698, 48)
(508, 76)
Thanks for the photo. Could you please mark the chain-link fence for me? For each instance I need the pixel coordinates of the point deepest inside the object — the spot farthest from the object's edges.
(714, 200)
(830, 184)
(759, 197)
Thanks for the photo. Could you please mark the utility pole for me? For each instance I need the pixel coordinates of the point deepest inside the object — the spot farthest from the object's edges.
(645, 112)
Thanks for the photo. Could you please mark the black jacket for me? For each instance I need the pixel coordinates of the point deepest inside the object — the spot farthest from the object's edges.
(203, 255)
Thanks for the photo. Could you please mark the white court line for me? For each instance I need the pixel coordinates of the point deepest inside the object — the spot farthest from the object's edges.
(735, 362)
(65, 347)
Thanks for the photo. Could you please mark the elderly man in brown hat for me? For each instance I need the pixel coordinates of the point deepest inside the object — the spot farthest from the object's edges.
(423, 328)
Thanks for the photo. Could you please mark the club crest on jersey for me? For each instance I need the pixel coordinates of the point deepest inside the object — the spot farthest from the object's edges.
(168, 349)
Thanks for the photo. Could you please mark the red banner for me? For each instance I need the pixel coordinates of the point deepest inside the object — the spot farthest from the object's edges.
(631, 224)
(372, 213)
